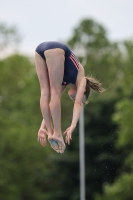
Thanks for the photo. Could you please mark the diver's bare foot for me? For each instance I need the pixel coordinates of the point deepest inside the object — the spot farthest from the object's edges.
(42, 136)
(54, 144)
(57, 143)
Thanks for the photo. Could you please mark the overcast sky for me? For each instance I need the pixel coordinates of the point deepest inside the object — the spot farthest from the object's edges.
(43, 20)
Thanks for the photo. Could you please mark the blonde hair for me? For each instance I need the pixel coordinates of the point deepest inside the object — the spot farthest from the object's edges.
(92, 83)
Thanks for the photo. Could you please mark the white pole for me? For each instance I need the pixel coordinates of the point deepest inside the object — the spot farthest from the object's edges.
(82, 155)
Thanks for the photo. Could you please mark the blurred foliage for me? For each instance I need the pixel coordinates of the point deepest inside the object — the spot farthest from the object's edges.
(9, 38)
(29, 171)
(99, 56)
(121, 189)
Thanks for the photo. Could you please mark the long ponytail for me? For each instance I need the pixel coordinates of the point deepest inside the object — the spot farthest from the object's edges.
(92, 83)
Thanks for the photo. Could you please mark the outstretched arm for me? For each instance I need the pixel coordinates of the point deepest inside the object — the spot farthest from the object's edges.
(76, 110)
(43, 124)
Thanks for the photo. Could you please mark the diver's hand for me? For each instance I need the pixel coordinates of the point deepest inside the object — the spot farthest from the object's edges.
(42, 136)
(68, 133)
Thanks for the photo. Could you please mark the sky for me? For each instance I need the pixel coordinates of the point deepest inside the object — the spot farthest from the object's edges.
(44, 20)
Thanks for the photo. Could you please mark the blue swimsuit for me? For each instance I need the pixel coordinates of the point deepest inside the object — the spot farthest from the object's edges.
(71, 64)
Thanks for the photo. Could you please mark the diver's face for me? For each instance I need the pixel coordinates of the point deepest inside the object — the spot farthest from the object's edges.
(84, 99)
(72, 95)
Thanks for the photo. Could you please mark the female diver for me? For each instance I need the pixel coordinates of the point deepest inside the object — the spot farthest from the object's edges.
(57, 67)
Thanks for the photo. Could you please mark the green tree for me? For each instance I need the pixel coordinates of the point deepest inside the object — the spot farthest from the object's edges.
(100, 57)
(32, 172)
(27, 169)
(121, 189)
(9, 37)
(90, 42)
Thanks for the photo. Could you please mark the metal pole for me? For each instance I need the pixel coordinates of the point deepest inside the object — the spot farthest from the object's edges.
(82, 155)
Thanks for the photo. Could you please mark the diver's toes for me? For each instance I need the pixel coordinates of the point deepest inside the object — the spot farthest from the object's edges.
(54, 145)
(62, 149)
(57, 150)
